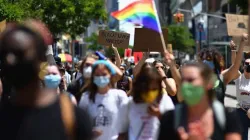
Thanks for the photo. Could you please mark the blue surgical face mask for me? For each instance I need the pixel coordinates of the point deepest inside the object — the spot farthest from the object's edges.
(101, 81)
(209, 63)
(52, 81)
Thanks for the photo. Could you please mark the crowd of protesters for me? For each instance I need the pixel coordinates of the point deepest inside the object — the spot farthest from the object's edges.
(110, 98)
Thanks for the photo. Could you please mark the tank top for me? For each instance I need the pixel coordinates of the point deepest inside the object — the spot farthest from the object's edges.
(243, 91)
(123, 84)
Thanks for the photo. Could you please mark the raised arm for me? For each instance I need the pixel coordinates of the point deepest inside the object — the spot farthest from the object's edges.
(117, 56)
(233, 55)
(233, 71)
(137, 68)
(233, 51)
(170, 61)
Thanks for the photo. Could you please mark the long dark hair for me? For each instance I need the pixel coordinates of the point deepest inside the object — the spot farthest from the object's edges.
(214, 55)
(206, 73)
(142, 82)
(92, 88)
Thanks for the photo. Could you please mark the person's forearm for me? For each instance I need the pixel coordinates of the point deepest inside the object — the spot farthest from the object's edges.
(137, 68)
(171, 90)
(238, 58)
(233, 56)
(117, 58)
(176, 75)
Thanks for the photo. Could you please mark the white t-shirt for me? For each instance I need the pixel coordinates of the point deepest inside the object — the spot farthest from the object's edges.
(243, 90)
(143, 126)
(104, 112)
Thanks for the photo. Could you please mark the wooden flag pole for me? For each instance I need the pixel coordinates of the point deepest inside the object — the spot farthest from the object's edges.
(159, 27)
(248, 22)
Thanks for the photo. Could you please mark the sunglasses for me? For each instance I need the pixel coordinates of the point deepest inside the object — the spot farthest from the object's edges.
(247, 63)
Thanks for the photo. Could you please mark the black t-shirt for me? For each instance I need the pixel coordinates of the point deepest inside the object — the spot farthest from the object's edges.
(220, 91)
(19, 123)
(75, 87)
(168, 131)
(123, 84)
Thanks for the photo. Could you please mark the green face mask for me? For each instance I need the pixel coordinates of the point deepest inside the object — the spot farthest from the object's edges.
(192, 94)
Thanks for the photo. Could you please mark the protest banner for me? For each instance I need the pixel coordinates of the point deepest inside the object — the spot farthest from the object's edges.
(118, 39)
(237, 42)
(149, 40)
(128, 53)
(2, 25)
(237, 24)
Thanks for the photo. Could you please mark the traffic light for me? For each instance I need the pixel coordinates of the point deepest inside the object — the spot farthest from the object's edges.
(179, 17)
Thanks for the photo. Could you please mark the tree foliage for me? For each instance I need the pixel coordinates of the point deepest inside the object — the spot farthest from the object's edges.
(93, 42)
(62, 16)
(243, 5)
(180, 38)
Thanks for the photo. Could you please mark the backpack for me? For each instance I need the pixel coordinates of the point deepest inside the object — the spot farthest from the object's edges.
(68, 116)
(218, 110)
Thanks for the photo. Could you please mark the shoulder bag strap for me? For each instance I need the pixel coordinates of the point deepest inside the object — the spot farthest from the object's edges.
(68, 117)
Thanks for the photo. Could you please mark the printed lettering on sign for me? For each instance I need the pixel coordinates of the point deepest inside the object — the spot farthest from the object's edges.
(118, 39)
(237, 24)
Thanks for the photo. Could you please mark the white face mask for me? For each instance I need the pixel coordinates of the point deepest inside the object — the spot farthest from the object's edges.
(87, 72)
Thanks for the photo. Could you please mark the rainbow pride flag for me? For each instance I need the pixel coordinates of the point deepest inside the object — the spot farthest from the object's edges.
(140, 13)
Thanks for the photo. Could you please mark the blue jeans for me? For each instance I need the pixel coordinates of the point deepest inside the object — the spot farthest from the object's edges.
(245, 122)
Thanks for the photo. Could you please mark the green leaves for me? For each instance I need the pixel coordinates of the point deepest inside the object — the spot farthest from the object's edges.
(243, 5)
(62, 16)
(180, 38)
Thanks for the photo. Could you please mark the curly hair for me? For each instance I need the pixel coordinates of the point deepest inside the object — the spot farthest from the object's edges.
(212, 54)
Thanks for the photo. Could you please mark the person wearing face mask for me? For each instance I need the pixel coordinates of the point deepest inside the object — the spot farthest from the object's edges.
(242, 83)
(103, 102)
(201, 116)
(52, 81)
(34, 112)
(147, 105)
(78, 86)
(213, 58)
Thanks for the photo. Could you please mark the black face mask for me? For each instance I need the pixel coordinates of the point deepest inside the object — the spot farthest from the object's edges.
(21, 74)
(247, 68)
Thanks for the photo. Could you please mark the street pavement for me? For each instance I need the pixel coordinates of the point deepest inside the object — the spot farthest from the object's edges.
(231, 93)
(230, 100)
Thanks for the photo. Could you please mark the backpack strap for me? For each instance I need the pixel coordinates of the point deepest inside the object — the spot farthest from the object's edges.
(68, 117)
(219, 112)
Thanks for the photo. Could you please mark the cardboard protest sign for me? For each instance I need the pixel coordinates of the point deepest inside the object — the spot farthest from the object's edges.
(170, 48)
(237, 24)
(149, 40)
(118, 39)
(237, 42)
(2, 25)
